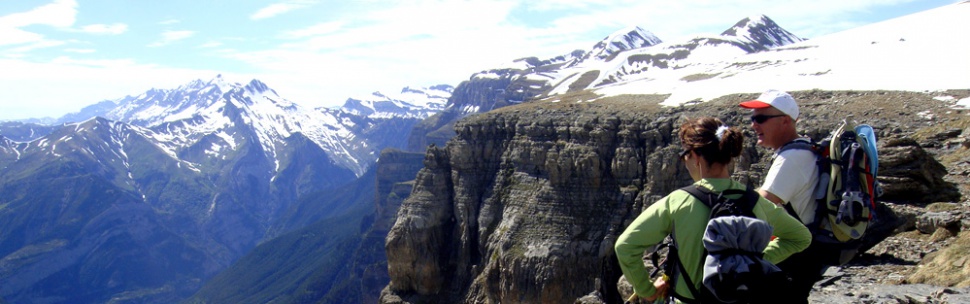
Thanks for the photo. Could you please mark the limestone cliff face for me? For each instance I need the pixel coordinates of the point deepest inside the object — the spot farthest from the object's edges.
(523, 207)
(524, 203)
(394, 181)
(395, 174)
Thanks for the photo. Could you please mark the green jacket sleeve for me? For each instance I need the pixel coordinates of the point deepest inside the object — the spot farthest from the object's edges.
(791, 235)
(648, 229)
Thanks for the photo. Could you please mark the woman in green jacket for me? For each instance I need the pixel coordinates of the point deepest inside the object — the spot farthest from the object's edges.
(708, 150)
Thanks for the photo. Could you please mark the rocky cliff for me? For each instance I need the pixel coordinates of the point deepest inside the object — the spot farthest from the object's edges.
(524, 203)
(395, 180)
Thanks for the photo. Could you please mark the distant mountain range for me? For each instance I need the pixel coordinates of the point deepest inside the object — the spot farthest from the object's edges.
(203, 112)
(168, 187)
(749, 57)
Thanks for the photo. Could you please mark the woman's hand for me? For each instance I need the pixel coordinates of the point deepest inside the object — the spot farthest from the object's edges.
(661, 285)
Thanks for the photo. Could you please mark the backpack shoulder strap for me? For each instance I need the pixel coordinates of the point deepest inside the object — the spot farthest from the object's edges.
(821, 163)
(707, 197)
(702, 194)
(749, 198)
(798, 145)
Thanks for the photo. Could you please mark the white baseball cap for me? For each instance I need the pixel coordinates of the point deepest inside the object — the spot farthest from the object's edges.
(774, 98)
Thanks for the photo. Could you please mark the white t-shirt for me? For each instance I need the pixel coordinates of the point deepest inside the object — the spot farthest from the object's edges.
(792, 177)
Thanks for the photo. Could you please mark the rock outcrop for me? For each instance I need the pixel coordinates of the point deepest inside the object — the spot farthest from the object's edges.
(523, 207)
(909, 173)
(394, 180)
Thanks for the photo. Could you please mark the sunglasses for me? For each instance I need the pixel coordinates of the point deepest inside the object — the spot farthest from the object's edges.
(684, 153)
(762, 118)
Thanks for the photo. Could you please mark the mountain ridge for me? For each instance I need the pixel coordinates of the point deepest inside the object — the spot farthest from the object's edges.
(211, 168)
(620, 41)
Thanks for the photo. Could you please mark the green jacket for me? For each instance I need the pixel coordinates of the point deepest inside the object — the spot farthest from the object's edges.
(681, 212)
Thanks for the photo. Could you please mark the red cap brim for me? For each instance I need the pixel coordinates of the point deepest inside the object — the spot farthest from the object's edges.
(754, 104)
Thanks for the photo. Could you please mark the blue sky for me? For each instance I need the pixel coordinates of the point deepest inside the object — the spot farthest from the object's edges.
(59, 56)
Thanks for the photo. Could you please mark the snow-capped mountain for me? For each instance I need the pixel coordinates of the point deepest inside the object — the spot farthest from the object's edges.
(212, 112)
(183, 116)
(410, 102)
(189, 178)
(631, 54)
(108, 138)
(759, 33)
(620, 41)
(750, 35)
(525, 78)
(918, 52)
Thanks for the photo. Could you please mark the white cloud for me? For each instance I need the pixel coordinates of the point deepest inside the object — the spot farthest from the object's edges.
(276, 9)
(13, 36)
(169, 22)
(315, 30)
(210, 44)
(60, 14)
(440, 42)
(41, 44)
(98, 63)
(45, 83)
(109, 29)
(169, 37)
(80, 51)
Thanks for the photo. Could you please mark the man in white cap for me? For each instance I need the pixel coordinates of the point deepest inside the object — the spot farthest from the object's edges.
(790, 181)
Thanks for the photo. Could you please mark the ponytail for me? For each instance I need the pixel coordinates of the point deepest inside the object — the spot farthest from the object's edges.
(712, 139)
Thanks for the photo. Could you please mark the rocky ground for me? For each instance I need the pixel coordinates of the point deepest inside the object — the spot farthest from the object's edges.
(926, 260)
(882, 274)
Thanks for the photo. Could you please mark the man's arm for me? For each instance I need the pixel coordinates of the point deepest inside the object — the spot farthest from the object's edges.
(791, 165)
(772, 197)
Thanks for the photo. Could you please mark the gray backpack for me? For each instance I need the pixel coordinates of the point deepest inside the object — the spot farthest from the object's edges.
(735, 270)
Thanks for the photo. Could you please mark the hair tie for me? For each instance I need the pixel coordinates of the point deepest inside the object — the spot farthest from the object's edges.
(720, 132)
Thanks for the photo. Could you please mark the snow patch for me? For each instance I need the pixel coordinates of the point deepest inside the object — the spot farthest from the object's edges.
(963, 103)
